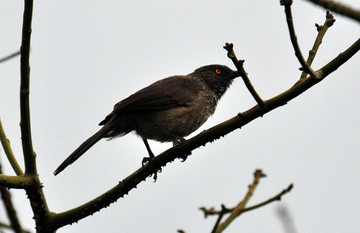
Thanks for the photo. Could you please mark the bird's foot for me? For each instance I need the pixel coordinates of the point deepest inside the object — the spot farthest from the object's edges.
(147, 160)
(177, 142)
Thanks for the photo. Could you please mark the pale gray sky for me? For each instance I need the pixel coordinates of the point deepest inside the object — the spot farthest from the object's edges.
(86, 56)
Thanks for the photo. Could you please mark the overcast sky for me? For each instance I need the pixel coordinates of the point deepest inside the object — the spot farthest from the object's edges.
(87, 56)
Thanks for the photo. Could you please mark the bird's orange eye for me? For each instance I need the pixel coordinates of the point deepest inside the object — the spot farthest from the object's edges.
(218, 71)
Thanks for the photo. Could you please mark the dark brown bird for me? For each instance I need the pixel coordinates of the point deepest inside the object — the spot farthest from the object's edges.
(167, 110)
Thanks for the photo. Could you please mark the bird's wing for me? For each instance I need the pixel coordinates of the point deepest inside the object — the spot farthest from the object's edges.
(172, 92)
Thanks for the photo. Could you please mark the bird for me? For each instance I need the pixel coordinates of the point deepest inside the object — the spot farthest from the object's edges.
(167, 110)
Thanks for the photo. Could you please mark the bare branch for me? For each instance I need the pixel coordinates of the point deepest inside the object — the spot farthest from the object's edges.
(304, 66)
(340, 59)
(16, 182)
(240, 67)
(9, 207)
(8, 151)
(29, 154)
(218, 221)
(35, 193)
(329, 21)
(258, 174)
(339, 8)
(277, 197)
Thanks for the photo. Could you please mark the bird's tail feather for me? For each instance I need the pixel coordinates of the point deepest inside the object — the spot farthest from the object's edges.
(83, 148)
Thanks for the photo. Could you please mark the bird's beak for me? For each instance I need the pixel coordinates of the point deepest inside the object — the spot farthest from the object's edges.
(235, 74)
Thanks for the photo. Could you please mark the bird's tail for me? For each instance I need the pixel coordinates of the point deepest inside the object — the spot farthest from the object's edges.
(84, 147)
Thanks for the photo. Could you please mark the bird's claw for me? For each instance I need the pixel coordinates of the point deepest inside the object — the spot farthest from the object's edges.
(148, 160)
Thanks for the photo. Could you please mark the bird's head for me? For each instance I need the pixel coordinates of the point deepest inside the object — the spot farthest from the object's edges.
(217, 77)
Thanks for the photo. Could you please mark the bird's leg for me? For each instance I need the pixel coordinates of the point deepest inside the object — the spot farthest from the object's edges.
(151, 157)
(151, 154)
(178, 141)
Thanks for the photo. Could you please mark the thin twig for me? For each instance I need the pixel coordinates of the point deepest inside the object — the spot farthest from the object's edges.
(8, 151)
(275, 198)
(218, 221)
(304, 66)
(329, 21)
(29, 154)
(8, 57)
(258, 174)
(240, 67)
(223, 210)
(9, 207)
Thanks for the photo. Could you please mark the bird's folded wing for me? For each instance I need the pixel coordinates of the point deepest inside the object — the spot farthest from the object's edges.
(172, 92)
(167, 93)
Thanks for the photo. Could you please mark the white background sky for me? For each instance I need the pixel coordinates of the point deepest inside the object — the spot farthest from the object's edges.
(86, 56)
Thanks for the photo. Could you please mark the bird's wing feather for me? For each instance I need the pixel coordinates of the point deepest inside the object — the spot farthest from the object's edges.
(161, 95)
